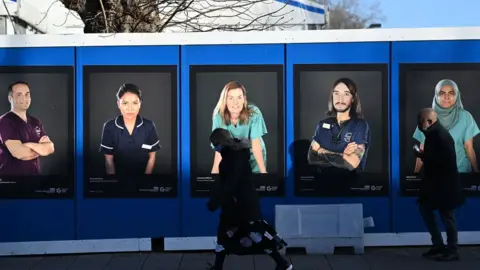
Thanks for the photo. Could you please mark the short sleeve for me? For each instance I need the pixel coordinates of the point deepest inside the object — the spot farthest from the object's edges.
(471, 127)
(419, 136)
(152, 139)
(107, 141)
(362, 135)
(215, 124)
(317, 137)
(8, 131)
(42, 130)
(257, 125)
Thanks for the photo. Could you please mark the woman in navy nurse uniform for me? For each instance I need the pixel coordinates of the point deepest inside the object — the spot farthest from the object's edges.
(129, 141)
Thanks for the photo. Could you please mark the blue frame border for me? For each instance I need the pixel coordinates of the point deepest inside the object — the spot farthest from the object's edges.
(424, 52)
(194, 209)
(124, 218)
(50, 225)
(336, 54)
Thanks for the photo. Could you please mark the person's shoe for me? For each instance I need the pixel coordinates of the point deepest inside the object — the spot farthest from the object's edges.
(433, 252)
(287, 266)
(448, 257)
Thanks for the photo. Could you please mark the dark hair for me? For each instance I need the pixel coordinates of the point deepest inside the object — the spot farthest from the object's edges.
(129, 88)
(10, 87)
(224, 138)
(221, 136)
(356, 107)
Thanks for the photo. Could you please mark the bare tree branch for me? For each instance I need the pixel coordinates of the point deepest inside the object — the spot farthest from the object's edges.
(127, 16)
(104, 15)
(117, 16)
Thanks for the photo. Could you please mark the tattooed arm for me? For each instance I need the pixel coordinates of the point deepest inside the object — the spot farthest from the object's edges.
(356, 157)
(324, 158)
(314, 158)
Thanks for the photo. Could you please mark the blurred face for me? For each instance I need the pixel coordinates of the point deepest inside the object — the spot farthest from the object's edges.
(20, 97)
(342, 98)
(446, 97)
(424, 122)
(235, 101)
(129, 106)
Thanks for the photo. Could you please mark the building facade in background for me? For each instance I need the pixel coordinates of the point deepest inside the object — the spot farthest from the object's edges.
(26, 17)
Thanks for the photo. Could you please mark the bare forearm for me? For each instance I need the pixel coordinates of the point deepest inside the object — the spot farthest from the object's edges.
(110, 167)
(150, 165)
(472, 157)
(33, 155)
(338, 160)
(322, 157)
(43, 149)
(418, 165)
(316, 159)
(23, 152)
(216, 162)
(258, 155)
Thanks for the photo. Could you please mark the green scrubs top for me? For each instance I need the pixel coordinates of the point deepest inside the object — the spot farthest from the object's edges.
(465, 129)
(255, 128)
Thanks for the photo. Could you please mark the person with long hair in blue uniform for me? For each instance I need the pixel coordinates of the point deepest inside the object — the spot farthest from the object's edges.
(244, 121)
(242, 229)
(447, 104)
(340, 145)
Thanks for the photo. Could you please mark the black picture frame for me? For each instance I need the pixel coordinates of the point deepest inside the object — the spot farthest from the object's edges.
(268, 185)
(370, 184)
(45, 186)
(470, 182)
(168, 182)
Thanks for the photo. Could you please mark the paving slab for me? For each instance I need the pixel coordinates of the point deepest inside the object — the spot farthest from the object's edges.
(163, 261)
(130, 261)
(19, 263)
(344, 262)
(91, 261)
(373, 259)
(310, 262)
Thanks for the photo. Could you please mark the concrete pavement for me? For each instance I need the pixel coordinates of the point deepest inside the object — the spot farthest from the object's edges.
(373, 259)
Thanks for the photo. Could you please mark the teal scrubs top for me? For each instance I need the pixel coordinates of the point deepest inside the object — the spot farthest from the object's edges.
(465, 129)
(254, 129)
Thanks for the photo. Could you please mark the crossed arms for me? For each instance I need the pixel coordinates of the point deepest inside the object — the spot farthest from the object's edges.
(29, 150)
(350, 158)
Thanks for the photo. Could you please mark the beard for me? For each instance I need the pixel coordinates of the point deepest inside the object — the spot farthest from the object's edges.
(342, 110)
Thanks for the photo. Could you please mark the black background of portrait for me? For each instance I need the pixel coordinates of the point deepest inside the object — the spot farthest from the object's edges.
(417, 89)
(312, 86)
(159, 93)
(52, 91)
(264, 85)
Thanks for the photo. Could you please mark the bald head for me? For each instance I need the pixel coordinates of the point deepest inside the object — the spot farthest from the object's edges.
(426, 117)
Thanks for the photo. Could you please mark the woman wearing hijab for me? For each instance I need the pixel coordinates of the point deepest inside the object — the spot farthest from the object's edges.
(241, 229)
(448, 105)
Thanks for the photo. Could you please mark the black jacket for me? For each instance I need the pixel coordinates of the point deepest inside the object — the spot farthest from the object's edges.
(235, 190)
(441, 187)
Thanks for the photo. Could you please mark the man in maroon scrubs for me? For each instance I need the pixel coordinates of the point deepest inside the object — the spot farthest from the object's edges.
(22, 137)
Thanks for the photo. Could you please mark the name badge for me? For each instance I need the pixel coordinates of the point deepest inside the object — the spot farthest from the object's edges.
(325, 125)
(146, 146)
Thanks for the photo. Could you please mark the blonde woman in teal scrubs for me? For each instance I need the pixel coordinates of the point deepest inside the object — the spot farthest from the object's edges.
(244, 121)
(447, 103)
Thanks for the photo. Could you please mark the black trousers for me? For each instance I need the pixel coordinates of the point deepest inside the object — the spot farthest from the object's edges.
(448, 220)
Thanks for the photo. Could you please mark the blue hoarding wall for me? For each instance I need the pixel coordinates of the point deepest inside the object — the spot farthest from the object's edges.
(184, 215)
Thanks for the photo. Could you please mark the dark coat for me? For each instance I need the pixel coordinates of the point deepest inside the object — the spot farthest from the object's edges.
(235, 190)
(441, 187)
